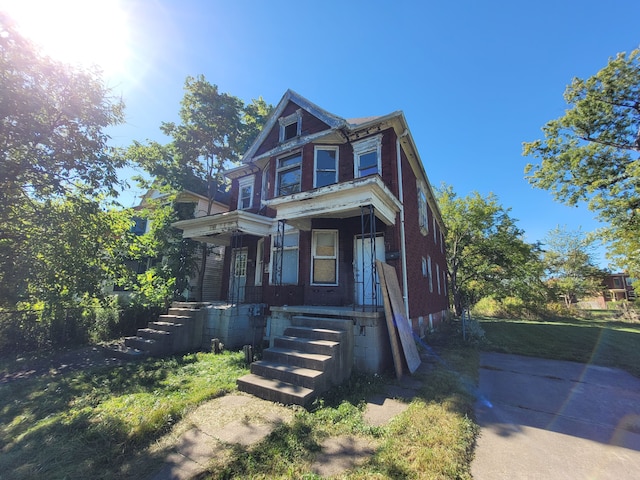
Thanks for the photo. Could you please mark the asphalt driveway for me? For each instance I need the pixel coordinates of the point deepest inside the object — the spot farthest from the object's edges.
(548, 419)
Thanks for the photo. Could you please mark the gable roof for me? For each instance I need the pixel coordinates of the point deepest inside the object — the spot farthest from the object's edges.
(290, 96)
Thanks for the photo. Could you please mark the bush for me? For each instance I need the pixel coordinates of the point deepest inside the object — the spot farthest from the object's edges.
(40, 327)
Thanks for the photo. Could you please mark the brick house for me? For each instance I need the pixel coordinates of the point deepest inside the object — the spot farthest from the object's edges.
(316, 201)
(618, 286)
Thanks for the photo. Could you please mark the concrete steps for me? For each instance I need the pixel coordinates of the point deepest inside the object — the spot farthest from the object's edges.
(302, 363)
(177, 331)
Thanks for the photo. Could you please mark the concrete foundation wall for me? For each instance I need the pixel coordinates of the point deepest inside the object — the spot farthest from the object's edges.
(233, 325)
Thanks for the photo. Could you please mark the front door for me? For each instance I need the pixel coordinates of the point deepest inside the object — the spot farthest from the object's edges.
(238, 276)
(367, 285)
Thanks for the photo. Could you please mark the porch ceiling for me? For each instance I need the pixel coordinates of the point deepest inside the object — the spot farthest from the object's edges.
(341, 200)
(218, 229)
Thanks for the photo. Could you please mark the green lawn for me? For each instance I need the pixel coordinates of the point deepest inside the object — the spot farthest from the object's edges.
(104, 423)
(600, 341)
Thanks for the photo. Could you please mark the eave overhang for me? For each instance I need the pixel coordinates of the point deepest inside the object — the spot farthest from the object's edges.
(340, 200)
(218, 229)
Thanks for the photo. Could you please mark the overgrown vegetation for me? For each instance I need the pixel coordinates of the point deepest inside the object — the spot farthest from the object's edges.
(92, 424)
(100, 423)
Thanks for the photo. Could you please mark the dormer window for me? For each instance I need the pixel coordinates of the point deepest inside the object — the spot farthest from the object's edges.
(290, 126)
(367, 155)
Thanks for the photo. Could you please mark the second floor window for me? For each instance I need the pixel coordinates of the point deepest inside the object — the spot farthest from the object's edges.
(423, 211)
(367, 157)
(288, 175)
(326, 166)
(245, 193)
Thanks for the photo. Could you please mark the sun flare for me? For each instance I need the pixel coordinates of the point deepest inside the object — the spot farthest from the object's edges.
(80, 32)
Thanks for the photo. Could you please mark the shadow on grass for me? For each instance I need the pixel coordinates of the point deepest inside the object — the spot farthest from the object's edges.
(51, 425)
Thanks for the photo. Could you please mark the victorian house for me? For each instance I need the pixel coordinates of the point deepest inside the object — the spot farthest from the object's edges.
(315, 202)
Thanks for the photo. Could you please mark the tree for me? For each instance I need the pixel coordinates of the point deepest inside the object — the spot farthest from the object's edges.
(592, 153)
(486, 255)
(214, 131)
(55, 165)
(569, 264)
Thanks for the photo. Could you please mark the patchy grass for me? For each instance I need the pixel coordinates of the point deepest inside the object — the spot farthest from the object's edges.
(600, 340)
(433, 438)
(92, 424)
(111, 423)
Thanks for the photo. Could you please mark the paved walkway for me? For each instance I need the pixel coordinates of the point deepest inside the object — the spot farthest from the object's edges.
(547, 419)
(241, 419)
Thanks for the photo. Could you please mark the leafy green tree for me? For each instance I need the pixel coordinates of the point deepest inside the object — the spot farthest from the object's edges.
(214, 131)
(592, 153)
(570, 266)
(486, 255)
(55, 164)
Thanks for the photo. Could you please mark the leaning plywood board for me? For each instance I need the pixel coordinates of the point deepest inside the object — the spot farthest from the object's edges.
(399, 319)
(396, 350)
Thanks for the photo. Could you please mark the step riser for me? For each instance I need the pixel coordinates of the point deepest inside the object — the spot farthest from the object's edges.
(315, 334)
(159, 336)
(290, 358)
(266, 371)
(165, 326)
(151, 347)
(274, 392)
(183, 312)
(316, 322)
(301, 345)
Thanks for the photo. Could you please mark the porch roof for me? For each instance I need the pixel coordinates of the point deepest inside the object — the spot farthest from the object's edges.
(340, 200)
(218, 229)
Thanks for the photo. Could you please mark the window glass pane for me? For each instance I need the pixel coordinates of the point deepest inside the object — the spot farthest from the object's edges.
(289, 161)
(291, 240)
(326, 159)
(289, 182)
(245, 197)
(324, 270)
(290, 130)
(368, 164)
(325, 178)
(325, 244)
(290, 267)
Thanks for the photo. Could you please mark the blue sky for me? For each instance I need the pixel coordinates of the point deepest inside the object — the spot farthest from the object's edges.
(474, 79)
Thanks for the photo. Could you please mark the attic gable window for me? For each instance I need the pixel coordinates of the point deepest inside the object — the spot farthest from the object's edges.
(367, 155)
(290, 126)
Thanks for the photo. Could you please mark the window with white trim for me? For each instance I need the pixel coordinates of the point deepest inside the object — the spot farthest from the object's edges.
(367, 156)
(435, 237)
(324, 257)
(444, 281)
(429, 273)
(325, 170)
(288, 174)
(245, 192)
(438, 277)
(265, 182)
(290, 126)
(423, 211)
(289, 252)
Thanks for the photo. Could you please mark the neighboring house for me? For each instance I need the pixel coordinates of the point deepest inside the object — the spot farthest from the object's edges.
(315, 202)
(618, 286)
(200, 207)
